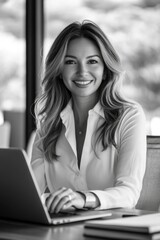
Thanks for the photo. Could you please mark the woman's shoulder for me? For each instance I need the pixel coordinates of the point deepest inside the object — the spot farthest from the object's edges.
(133, 121)
(37, 138)
(132, 115)
(133, 109)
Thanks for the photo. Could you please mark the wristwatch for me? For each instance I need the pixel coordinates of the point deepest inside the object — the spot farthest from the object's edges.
(90, 199)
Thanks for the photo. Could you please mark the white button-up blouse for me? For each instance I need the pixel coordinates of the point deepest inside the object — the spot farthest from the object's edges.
(115, 175)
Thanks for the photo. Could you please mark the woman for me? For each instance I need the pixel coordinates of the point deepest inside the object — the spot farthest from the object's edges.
(90, 145)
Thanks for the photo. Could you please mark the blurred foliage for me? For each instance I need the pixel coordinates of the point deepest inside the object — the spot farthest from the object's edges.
(12, 55)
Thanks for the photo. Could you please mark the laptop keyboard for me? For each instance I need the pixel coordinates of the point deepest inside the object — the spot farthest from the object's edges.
(63, 214)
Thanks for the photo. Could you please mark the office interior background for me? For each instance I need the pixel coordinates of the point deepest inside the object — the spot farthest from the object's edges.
(27, 30)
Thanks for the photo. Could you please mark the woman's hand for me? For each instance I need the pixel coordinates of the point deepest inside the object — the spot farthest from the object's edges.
(63, 199)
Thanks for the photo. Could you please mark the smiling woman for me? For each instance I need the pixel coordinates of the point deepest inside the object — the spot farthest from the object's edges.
(90, 145)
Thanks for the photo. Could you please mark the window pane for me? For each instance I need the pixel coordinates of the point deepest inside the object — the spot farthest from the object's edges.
(12, 72)
(134, 29)
(12, 55)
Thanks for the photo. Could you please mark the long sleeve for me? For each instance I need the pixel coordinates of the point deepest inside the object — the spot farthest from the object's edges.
(131, 162)
(37, 163)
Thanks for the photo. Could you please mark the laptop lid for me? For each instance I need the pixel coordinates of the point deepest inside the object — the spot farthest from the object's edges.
(20, 195)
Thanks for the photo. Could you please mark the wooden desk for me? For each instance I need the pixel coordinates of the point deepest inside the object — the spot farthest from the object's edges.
(23, 231)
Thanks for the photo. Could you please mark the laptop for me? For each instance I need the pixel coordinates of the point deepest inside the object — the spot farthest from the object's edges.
(20, 196)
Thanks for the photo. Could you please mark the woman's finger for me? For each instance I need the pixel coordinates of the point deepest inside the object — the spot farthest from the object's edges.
(63, 202)
(58, 199)
(69, 203)
(52, 196)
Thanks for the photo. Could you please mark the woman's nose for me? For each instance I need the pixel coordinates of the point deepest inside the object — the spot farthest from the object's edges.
(82, 69)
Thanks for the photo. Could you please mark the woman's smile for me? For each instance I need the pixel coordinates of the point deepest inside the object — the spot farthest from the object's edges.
(82, 83)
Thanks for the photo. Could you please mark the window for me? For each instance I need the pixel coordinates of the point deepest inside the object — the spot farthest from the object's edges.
(12, 55)
(13, 71)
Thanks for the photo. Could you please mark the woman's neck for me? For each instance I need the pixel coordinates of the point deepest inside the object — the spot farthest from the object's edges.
(81, 106)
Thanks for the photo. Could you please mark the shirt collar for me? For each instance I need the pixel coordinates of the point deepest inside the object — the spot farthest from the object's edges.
(68, 110)
(98, 110)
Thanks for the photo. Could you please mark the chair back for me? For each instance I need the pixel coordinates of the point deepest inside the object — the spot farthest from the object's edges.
(5, 132)
(150, 194)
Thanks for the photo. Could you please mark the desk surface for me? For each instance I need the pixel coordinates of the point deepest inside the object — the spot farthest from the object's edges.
(74, 231)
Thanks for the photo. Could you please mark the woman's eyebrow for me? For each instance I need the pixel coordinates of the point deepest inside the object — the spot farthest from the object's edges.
(91, 56)
(95, 55)
(70, 56)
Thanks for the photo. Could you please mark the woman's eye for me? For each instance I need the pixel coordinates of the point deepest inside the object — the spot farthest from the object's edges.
(92, 61)
(69, 62)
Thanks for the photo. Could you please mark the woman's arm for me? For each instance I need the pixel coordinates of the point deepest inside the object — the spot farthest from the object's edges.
(131, 162)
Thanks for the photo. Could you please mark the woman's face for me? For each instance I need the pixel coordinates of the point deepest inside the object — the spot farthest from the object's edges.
(83, 68)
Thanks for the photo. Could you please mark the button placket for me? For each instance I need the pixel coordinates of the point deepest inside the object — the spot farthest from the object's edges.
(87, 148)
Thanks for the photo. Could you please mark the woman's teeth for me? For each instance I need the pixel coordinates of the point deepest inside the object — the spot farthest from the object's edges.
(83, 82)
